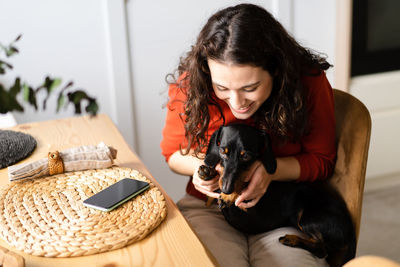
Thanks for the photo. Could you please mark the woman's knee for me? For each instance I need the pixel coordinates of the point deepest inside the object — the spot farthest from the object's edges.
(228, 245)
(266, 248)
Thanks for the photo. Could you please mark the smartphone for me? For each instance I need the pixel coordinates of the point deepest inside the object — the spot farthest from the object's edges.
(116, 194)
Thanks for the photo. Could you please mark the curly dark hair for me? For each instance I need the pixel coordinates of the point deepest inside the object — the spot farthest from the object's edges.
(247, 34)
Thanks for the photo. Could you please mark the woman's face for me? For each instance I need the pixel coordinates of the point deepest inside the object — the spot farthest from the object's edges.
(243, 87)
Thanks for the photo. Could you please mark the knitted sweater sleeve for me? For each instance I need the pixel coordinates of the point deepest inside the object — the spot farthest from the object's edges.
(318, 155)
(173, 132)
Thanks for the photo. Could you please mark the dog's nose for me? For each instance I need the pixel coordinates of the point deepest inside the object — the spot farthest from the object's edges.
(227, 186)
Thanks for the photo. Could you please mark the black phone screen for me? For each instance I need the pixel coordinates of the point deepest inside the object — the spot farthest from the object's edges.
(116, 194)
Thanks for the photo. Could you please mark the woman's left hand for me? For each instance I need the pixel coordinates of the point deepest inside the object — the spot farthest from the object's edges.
(259, 181)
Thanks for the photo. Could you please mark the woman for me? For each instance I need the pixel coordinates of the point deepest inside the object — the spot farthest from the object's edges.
(245, 68)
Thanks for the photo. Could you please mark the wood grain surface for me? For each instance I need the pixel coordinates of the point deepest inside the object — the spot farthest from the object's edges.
(173, 243)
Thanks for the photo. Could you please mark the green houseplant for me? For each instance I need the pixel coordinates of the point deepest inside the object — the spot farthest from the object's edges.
(9, 96)
(15, 146)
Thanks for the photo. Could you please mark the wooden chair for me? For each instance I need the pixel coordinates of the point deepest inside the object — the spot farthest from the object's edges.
(353, 130)
(371, 261)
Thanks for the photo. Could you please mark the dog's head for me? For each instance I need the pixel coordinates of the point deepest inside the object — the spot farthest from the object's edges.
(236, 147)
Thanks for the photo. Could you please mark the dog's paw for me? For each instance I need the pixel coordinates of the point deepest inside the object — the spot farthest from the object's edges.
(206, 173)
(221, 204)
(312, 245)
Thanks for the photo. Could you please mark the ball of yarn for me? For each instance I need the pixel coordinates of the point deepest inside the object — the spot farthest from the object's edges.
(15, 146)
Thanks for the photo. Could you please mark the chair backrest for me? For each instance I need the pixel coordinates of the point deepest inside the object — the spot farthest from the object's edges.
(353, 131)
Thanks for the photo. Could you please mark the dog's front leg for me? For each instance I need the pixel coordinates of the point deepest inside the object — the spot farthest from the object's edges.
(207, 171)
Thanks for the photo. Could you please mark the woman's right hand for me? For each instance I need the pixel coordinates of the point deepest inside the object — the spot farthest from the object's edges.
(206, 187)
(189, 165)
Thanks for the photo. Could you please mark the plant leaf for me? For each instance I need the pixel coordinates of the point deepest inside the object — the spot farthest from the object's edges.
(69, 84)
(60, 101)
(16, 88)
(77, 96)
(50, 85)
(3, 66)
(55, 83)
(18, 38)
(31, 97)
(47, 83)
(8, 101)
(11, 51)
(92, 107)
(14, 105)
(25, 91)
(77, 107)
(3, 100)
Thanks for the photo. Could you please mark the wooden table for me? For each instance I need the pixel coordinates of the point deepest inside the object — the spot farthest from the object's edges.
(173, 243)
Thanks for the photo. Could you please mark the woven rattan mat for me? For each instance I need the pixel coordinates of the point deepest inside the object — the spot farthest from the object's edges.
(46, 217)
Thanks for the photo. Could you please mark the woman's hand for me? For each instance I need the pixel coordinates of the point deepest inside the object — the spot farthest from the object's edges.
(259, 181)
(189, 165)
(206, 187)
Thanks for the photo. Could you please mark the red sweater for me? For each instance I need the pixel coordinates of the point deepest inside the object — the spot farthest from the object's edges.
(316, 152)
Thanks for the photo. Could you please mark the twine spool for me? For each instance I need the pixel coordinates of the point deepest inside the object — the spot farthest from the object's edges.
(14, 146)
(46, 217)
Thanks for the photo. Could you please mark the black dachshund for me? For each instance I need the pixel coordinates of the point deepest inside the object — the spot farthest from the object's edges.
(315, 209)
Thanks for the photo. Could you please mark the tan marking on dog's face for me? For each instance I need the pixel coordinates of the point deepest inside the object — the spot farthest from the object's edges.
(239, 186)
(229, 199)
(220, 177)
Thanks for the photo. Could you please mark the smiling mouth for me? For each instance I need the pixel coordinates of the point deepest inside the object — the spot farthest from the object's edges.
(243, 109)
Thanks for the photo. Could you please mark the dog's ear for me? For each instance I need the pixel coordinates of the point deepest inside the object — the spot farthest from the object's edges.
(267, 156)
(212, 154)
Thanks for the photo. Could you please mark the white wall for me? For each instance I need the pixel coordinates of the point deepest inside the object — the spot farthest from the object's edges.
(71, 40)
(381, 95)
(314, 26)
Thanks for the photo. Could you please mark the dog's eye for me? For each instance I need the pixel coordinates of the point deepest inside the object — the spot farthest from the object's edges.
(245, 156)
(224, 151)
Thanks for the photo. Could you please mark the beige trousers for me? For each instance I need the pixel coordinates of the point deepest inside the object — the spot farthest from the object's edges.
(232, 248)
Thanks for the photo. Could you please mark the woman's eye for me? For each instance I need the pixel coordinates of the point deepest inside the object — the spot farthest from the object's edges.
(249, 90)
(221, 89)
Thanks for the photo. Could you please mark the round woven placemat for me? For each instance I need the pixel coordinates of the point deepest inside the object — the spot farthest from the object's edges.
(46, 217)
(14, 146)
